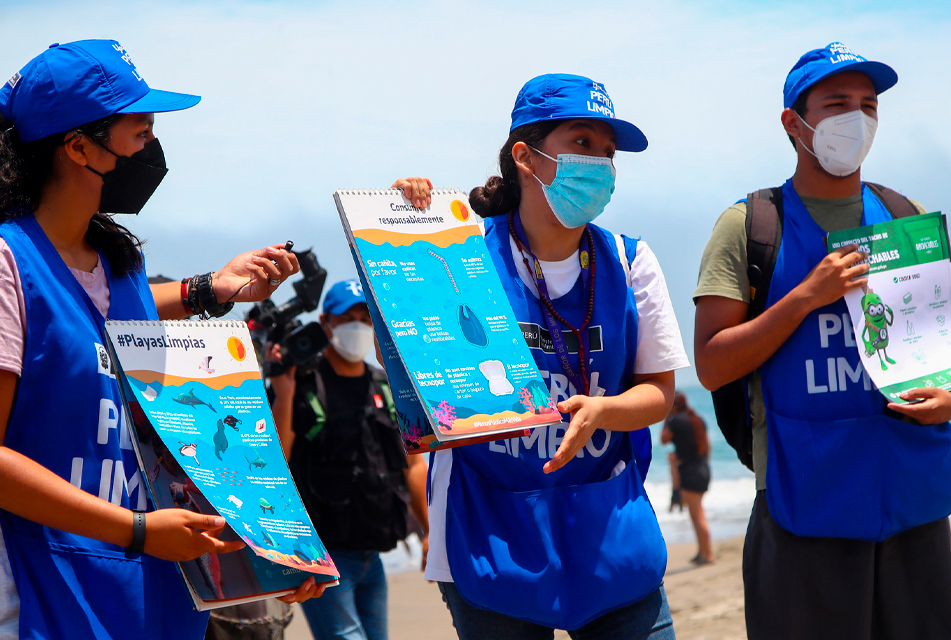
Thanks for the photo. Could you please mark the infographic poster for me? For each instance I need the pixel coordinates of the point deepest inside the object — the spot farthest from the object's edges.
(199, 387)
(415, 428)
(442, 303)
(902, 318)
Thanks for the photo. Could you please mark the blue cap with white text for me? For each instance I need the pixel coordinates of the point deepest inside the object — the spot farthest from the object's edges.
(342, 296)
(835, 58)
(73, 84)
(560, 96)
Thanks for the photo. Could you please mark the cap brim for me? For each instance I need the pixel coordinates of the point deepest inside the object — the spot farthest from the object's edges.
(158, 101)
(341, 307)
(629, 137)
(883, 76)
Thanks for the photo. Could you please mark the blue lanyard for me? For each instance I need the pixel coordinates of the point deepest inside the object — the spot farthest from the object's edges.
(553, 319)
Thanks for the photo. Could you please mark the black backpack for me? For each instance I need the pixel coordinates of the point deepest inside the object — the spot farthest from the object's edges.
(764, 231)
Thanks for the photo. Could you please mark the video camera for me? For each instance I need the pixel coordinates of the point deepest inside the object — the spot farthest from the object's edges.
(301, 344)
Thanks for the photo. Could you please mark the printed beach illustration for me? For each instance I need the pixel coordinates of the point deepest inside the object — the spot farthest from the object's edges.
(199, 391)
(442, 301)
(209, 428)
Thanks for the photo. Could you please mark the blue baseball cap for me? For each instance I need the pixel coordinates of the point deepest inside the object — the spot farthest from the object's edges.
(342, 296)
(835, 58)
(69, 85)
(560, 96)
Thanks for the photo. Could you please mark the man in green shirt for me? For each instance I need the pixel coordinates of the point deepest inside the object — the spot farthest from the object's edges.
(819, 585)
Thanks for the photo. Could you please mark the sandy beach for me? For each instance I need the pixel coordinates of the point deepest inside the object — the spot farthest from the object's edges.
(706, 602)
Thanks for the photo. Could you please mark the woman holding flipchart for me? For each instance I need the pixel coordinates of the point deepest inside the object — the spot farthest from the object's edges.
(554, 529)
(81, 558)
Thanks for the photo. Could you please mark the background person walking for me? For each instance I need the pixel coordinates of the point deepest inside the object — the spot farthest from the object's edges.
(688, 432)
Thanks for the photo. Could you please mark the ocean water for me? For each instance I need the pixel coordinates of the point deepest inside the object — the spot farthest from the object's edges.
(727, 503)
(732, 486)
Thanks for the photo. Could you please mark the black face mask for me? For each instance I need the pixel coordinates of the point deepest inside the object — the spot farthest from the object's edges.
(129, 186)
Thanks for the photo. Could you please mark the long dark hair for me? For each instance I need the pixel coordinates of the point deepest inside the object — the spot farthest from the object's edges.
(26, 167)
(699, 427)
(501, 194)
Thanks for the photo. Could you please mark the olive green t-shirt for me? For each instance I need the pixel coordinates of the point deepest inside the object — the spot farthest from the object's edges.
(723, 272)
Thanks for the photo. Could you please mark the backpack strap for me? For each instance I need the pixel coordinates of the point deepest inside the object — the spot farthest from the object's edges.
(383, 385)
(897, 204)
(764, 232)
(317, 402)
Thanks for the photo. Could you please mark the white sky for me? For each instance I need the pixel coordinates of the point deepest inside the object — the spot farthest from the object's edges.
(303, 98)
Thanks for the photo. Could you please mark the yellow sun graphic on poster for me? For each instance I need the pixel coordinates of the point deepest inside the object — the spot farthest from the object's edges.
(237, 349)
(459, 210)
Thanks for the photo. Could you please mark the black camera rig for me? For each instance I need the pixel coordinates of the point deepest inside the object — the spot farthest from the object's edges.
(301, 344)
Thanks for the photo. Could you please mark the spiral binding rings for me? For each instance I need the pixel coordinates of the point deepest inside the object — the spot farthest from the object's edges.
(442, 191)
(218, 324)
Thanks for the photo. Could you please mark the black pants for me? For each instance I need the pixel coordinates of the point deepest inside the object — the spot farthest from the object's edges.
(800, 588)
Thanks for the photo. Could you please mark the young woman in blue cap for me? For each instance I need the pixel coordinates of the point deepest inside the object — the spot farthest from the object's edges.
(77, 147)
(554, 529)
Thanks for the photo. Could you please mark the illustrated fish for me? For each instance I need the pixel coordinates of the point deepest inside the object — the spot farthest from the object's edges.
(267, 538)
(190, 400)
(257, 463)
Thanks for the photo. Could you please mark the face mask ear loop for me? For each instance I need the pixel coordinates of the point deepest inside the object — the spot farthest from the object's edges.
(540, 182)
(101, 175)
(82, 133)
(533, 173)
(97, 143)
(542, 153)
(800, 138)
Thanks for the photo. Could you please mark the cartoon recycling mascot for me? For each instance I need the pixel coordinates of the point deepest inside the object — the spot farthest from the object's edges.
(875, 333)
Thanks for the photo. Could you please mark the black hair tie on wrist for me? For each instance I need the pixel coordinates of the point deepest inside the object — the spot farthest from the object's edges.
(138, 534)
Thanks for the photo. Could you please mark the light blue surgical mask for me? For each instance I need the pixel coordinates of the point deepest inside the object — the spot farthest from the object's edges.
(582, 187)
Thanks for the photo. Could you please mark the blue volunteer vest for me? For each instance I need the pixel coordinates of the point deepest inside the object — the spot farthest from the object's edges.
(68, 417)
(565, 548)
(837, 465)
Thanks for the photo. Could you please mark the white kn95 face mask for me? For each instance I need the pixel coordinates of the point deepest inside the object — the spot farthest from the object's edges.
(352, 340)
(840, 143)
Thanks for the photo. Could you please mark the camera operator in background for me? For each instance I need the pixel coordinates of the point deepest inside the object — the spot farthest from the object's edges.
(337, 425)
